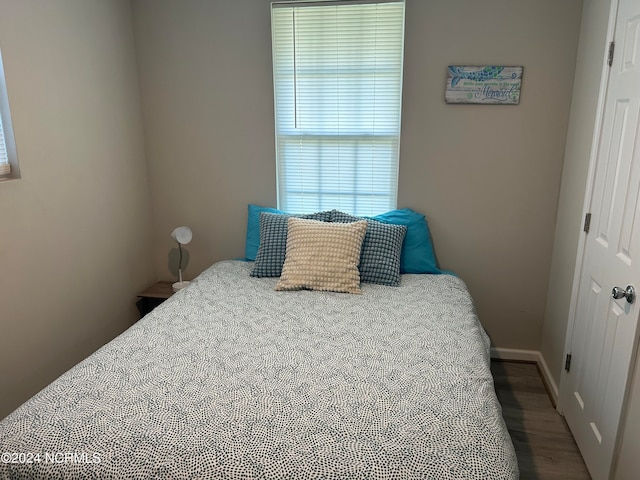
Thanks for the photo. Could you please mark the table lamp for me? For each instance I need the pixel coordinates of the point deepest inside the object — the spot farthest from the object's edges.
(182, 235)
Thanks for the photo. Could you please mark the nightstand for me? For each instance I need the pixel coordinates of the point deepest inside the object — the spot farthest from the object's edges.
(153, 296)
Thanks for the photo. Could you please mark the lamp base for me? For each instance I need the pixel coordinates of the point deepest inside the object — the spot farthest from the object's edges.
(180, 285)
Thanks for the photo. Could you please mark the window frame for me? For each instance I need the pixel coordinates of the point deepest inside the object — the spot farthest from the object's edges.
(6, 126)
(368, 140)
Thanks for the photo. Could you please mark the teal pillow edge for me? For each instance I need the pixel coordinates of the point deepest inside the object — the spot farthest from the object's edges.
(252, 241)
(417, 251)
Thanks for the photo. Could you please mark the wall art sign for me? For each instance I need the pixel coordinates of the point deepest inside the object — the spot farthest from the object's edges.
(491, 85)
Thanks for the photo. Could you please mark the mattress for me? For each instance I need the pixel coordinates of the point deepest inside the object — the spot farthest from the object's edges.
(230, 379)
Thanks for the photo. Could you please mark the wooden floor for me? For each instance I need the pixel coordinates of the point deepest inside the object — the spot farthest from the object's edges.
(543, 443)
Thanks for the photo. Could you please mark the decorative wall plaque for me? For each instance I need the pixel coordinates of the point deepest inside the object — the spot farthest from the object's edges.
(493, 85)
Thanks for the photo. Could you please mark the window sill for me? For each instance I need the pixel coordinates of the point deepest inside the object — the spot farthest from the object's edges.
(8, 178)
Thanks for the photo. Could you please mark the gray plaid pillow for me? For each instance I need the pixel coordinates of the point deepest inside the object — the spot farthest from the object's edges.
(273, 241)
(381, 249)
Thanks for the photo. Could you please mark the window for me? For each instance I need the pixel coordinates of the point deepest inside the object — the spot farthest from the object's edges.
(8, 160)
(5, 168)
(337, 70)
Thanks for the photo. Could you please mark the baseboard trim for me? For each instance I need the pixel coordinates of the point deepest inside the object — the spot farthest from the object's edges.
(515, 354)
(532, 356)
(552, 386)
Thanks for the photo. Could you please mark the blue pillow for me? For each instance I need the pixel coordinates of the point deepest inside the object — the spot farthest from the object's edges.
(381, 250)
(417, 250)
(252, 241)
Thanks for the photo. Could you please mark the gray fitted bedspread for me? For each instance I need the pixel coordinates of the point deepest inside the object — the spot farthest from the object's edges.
(231, 379)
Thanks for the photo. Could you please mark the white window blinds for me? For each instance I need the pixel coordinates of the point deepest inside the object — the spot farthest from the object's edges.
(5, 168)
(338, 90)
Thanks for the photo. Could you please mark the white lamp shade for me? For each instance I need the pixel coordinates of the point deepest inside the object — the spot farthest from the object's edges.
(182, 235)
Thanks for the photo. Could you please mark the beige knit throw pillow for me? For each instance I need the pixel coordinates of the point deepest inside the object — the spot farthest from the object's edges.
(322, 256)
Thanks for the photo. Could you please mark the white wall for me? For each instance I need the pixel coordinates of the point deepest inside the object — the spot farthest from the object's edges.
(487, 177)
(75, 231)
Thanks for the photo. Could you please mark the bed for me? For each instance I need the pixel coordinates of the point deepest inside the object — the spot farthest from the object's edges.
(231, 379)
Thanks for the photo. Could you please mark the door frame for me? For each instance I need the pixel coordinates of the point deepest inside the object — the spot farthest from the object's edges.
(580, 255)
(593, 158)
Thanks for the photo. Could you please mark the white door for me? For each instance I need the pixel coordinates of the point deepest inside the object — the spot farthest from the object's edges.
(604, 335)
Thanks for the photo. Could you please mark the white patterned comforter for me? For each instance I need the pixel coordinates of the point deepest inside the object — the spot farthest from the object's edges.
(229, 379)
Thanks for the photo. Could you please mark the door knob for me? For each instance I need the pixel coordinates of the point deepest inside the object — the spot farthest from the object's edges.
(629, 293)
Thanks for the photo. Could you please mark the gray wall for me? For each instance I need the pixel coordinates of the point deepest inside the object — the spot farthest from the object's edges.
(487, 177)
(75, 231)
